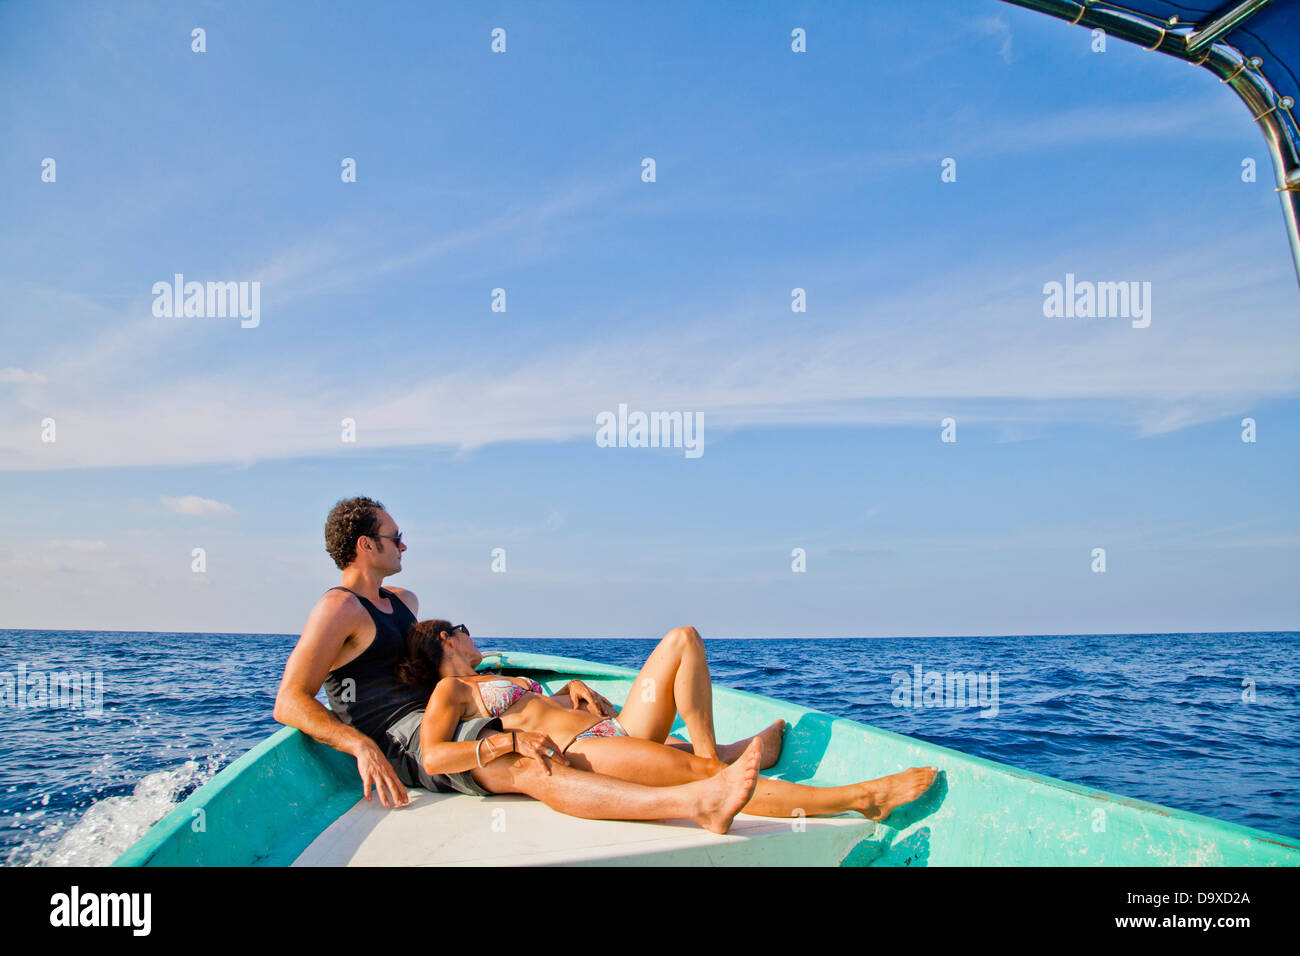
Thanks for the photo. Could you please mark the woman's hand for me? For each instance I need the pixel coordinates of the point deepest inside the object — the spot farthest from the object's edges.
(581, 694)
(539, 747)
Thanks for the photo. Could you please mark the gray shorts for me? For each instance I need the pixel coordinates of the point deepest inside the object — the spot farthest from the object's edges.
(405, 755)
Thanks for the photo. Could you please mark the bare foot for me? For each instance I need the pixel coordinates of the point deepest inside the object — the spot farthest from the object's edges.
(724, 794)
(771, 738)
(881, 797)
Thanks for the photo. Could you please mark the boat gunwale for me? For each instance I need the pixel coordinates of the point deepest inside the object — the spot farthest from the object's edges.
(1077, 789)
(142, 852)
(144, 849)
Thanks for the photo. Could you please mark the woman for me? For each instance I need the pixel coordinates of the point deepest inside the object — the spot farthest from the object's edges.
(579, 728)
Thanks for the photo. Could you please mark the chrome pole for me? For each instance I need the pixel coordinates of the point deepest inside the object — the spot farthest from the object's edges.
(1271, 111)
(1221, 24)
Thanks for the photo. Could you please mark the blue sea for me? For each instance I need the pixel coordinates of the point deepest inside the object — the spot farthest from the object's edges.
(1201, 722)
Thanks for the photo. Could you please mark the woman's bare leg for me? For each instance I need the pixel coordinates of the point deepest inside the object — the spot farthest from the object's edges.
(770, 737)
(656, 765)
(711, 802)
(675, 679)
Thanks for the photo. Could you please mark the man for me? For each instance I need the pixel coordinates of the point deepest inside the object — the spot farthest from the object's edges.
(351, 644)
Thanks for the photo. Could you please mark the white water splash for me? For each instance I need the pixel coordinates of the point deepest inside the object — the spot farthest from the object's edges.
(109, 826)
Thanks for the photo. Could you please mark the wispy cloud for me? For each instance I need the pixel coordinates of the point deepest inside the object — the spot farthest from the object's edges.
(1209, 117)
(330, 263)
(1000, 29)
(971, 340)
(18, 376)
(195, 506)
(79, 544)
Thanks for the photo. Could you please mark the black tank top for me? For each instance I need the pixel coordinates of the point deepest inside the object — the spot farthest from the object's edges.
(365, 692)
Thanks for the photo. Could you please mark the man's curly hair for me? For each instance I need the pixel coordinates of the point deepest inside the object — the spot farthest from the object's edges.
(348, 520)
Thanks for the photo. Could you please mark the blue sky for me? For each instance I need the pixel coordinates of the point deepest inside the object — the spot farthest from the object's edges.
(523, 171)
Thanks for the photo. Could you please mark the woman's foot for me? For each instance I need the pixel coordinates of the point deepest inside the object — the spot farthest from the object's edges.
(723, 795)
(882, 797)
(771, 739)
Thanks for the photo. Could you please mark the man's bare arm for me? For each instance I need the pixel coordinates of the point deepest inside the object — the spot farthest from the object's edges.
(334, 618)
(409, 599)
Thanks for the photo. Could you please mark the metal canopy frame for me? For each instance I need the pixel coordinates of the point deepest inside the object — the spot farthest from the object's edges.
(1202, 45)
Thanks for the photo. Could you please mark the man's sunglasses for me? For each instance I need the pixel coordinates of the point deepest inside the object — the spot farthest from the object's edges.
(395, 538)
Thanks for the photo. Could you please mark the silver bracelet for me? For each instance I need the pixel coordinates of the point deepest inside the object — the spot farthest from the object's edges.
(478, 752)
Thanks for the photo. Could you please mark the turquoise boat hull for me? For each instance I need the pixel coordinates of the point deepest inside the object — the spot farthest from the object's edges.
(267, 807)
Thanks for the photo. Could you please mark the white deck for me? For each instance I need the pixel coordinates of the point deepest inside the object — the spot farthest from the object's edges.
(439, 829)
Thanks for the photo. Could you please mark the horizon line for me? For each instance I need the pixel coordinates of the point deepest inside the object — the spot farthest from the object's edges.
(867, 637)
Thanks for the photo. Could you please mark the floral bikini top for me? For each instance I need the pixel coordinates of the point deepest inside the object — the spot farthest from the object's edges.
(500, 695)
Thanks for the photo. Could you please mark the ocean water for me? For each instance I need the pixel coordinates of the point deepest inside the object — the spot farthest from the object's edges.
(1158, 717)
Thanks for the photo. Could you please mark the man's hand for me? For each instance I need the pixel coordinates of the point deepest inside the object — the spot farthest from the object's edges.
(336, 617)
(376, 771)
(581, 694)
(539, 747)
